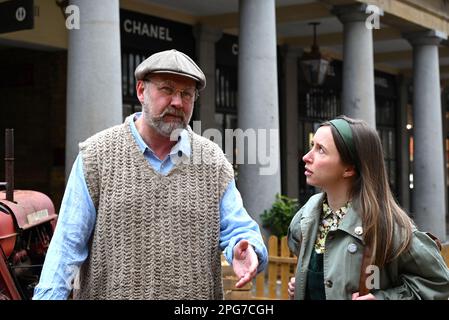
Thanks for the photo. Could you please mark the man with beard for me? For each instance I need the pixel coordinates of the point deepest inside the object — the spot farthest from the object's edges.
(141, 217)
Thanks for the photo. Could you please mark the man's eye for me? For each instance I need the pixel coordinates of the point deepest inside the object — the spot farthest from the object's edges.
(167, 90)
(187, 94)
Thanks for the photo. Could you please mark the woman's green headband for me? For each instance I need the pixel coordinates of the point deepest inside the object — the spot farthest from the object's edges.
(345, 132)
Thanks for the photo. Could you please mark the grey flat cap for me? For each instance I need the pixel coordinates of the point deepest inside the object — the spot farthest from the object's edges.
(171, 61)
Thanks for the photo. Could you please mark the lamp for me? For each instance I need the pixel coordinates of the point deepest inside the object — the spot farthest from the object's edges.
(314, 64)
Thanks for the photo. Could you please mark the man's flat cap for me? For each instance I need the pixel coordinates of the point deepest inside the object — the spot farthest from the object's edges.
(171, 61)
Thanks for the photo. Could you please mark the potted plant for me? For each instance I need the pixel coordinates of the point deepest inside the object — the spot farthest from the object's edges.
(277, 219)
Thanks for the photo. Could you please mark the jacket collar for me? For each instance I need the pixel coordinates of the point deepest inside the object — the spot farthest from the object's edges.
(314, 208)
(352, 224)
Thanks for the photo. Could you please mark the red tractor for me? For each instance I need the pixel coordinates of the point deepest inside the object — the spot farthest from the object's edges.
(27, 222)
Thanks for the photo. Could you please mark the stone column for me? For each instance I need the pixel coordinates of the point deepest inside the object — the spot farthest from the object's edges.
(429, 205)
(289, 122)
(444, 106)
(358, 99)
(94, 92)
(403, 143)
(206, 37)
(258, 104)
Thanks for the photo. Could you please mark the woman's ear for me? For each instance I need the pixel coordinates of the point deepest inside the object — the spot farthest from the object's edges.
(349, 171)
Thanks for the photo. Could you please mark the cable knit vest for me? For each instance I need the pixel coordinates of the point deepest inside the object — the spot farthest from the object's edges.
(156, 237)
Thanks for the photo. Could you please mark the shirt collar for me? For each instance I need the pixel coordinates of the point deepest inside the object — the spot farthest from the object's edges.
(340, 213)
(183, 144)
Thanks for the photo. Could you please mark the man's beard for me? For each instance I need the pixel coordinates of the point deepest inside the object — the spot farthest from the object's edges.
(162, 127)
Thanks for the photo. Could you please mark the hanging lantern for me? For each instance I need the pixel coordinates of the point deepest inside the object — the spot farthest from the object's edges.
(314, 64)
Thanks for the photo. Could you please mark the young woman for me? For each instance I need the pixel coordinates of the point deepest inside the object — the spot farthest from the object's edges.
(356, 220)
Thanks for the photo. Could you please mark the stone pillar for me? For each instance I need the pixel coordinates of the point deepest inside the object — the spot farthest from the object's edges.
(403, 143)
(206, 37)
(290, 122)
(94, 92)
(258, 104)
(444, 107)
(429, 205)
(358, 99)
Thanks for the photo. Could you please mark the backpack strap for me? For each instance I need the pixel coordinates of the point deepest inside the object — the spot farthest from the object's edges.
(366, 261)
(434, 238)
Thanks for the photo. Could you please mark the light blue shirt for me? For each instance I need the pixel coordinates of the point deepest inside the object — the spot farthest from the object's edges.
(69, 245)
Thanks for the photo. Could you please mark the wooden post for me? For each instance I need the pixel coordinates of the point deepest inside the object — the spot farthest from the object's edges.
(272, 266)
(285, 268)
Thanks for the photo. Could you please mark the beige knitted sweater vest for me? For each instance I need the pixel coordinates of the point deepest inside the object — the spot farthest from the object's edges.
(156, 237)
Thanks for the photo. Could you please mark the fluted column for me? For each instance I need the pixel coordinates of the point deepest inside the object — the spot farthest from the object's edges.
(94, 93)
(429, 205)
(258, 103)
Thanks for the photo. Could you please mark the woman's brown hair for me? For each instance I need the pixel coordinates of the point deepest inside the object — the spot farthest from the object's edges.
(382, 218)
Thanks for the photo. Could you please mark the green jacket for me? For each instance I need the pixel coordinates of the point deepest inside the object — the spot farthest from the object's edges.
(418, 273)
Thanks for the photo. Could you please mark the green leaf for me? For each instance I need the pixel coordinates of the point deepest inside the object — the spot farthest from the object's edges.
(277, 219)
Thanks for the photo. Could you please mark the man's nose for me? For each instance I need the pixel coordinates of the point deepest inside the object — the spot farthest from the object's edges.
(176, 99)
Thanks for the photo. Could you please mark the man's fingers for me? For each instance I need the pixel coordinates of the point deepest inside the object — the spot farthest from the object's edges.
(241, 270)
(243, 245)
(244, 280)
(368, 296)
(253, 268)
(245, 262)
(240, 248)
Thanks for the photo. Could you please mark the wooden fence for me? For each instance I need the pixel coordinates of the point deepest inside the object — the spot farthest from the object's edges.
(445, 253)
(272, 283)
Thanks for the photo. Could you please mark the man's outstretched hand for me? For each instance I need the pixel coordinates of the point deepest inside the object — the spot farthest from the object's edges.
(244, 263)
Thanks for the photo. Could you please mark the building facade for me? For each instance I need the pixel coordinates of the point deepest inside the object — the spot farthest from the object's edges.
(69, 73)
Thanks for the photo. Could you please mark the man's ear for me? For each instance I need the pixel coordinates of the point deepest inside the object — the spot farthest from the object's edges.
(140, 89)
(349, 171)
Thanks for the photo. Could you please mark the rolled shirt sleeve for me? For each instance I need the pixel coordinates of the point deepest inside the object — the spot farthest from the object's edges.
(236, 224)
(69, 245)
